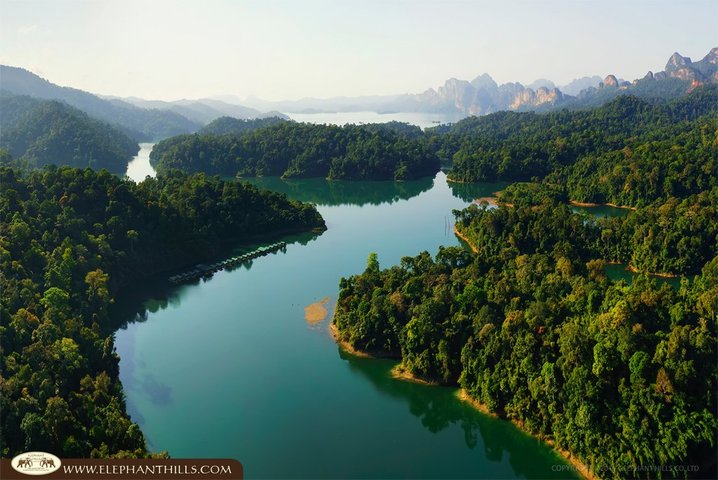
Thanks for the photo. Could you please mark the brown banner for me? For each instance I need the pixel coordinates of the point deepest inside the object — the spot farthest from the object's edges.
(119, 469)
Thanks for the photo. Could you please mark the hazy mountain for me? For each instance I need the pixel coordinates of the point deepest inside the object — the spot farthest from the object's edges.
(41, 132)
(141, 124)
(705, 70)
(679, 77)
(204, 110)
(575, 86)
(541, 82)
(317, 105)
(148, 119)
(483, 95)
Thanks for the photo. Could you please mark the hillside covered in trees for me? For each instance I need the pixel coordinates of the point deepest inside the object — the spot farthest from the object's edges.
(301, 150)
(230, 125)
(598, 154)
(530, 326)
(43, 132)
(69, 240)
(141, 124)
(582, 147)
(527, 322)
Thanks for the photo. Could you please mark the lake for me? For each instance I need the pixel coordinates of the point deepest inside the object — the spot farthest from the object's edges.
(230, 367)
(139, 167)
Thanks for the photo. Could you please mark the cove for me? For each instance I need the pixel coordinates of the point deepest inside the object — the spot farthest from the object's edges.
(618, 271)
(231, 368)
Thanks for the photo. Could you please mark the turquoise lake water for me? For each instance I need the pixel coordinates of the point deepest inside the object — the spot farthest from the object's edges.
(230, 367)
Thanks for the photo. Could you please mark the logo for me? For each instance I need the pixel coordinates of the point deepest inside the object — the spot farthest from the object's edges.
(35, 463)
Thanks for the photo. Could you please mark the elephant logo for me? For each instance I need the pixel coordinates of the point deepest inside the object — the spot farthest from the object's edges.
(35, 463)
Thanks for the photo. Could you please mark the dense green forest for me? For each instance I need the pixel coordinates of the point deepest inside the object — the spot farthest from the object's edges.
(231, 125)
(621, 376)
(42, 132)
(676, 237)
(520, 146)
(683, 162)
(528, 324)
(298, 150)
(601, 155)
(69, 240)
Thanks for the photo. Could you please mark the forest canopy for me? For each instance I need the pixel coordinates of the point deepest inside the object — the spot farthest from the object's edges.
(42, 132)
(301, 150)
(69, 240)
(622, 376)
(600, 154)
(527, 321)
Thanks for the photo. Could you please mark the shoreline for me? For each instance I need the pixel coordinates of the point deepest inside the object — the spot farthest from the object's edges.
(633, 269)
(344, 345)
(399, 373)
(493, 201)
(607, 204)
(463, 237)
(224, 246)
(449, 179)
(580, 467)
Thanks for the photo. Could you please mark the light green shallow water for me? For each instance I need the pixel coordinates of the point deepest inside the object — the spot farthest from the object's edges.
(230, 368)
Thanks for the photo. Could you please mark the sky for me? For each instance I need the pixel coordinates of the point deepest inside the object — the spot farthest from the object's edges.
(279, 50)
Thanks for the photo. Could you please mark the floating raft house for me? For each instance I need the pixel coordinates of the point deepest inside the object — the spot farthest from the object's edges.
(202, 270)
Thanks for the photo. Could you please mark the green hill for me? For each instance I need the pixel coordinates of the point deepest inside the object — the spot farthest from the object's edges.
(42, 132)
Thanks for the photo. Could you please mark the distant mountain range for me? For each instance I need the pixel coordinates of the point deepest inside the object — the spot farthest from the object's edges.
(151, 120)
(142, 120)
(202, 111)
(483, 95)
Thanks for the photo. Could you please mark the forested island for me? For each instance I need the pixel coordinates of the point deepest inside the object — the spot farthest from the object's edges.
(35, 132)
(302, 150)
(70, 239)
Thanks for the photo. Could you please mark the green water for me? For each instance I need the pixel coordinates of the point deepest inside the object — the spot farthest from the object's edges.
(230, 368)
(618, 271)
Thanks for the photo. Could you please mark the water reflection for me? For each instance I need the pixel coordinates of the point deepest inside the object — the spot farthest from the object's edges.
(337, 192)
(277, 388)
(619, 271)
(139, 300)
(601, 211)
(469, 192)
(158, 393)
(437, 408)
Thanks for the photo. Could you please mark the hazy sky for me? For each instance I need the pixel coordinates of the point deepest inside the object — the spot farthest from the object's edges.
(286, 50)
